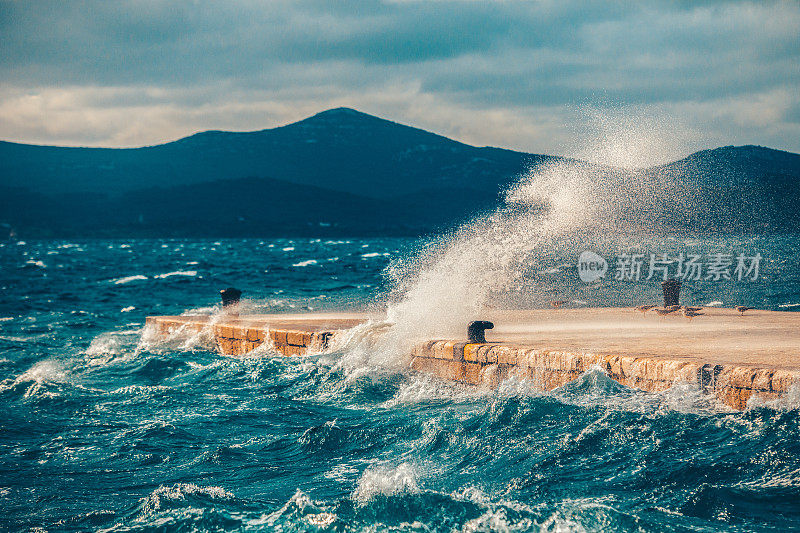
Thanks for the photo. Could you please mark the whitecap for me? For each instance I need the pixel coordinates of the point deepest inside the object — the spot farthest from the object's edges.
(324, 519)
(298, 503)
(556, 269)
(128, 279)
(715, 303)
(188, 273)
(127, 309)
(156, 500)
(789, 305)
(386, 481)
(30, 263)
(46, 370)
(138, 390)
(305, 263)
(288, 249)
(103, 344)
(107, 346)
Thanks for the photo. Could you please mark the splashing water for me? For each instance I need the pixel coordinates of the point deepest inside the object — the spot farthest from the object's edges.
(563, 205)
(386, 481)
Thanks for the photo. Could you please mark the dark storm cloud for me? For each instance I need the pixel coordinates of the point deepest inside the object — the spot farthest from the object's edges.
(499, 56)
(145, 42)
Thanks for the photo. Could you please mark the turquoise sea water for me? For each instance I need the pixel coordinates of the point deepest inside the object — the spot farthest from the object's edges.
(102, 430)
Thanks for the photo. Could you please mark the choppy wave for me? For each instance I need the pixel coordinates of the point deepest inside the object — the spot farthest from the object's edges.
(110, 427)
(261, 443)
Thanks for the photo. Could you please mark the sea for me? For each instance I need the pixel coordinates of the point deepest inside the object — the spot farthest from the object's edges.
(106, 428)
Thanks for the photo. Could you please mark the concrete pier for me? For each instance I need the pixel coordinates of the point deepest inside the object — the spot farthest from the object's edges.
(732, 356)
(289, 334)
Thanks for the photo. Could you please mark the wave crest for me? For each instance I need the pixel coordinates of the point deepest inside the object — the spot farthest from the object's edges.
(386, 481)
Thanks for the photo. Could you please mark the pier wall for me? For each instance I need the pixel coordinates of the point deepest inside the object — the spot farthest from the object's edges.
(489, 364)
(240, 337)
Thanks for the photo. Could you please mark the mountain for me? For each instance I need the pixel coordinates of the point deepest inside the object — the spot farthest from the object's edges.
(345, 172)
(340, 149)
(733, 166)
(731, 188)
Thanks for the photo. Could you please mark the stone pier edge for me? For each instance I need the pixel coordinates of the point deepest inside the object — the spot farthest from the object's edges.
(241, 339)
(491, 363)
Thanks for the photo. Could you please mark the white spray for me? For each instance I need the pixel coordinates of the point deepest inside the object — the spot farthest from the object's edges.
(565, 203)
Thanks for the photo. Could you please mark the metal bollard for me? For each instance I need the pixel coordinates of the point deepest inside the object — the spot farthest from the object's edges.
(475, 330)
(230, 300)
(672, 292)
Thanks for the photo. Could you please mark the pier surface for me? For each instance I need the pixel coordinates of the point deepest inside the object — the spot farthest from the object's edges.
(732, 356)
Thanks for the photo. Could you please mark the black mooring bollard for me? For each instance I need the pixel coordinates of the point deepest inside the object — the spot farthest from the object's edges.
(475, 330)
(230, 299)
(672, 292)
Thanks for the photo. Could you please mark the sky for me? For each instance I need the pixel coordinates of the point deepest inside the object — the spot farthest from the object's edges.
(666, 78)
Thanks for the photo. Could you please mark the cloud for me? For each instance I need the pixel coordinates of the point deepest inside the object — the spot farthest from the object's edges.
(488, 73)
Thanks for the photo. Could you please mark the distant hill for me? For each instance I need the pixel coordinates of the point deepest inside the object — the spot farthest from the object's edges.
(732, 188)
(340, 149)
(345, 172)
(733, 166)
